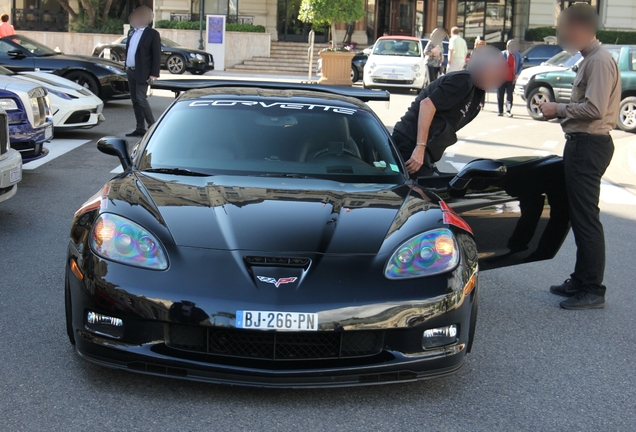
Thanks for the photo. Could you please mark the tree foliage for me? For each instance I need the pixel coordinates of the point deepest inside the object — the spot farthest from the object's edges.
(331, 11)
(93, 15)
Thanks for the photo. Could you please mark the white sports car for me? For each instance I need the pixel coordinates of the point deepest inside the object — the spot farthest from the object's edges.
(73, 105)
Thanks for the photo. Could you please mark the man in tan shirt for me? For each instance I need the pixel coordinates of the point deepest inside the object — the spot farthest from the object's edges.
(587, 121)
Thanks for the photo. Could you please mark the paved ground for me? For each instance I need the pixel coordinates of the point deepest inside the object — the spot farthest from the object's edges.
(533, 367)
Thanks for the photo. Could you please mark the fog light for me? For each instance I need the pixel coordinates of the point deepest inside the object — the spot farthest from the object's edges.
(438, 337)
(104, 324)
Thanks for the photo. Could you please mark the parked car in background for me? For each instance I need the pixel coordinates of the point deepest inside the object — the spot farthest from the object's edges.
(30, 116)
(396, 61)
(72, 105)
(556, 86)
(105, 78)
(174, 57)
(10, 162)
(560, 61)
(537, 54)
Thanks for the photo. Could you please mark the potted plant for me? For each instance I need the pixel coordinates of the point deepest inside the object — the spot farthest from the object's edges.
(336, 62)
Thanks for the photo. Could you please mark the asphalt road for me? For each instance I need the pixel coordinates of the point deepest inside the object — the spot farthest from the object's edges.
(534, 366)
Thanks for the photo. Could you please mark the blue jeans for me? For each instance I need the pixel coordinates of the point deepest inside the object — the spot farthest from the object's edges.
(141, 106)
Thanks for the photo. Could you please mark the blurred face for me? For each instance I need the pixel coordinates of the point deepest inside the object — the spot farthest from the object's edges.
(572, 35)
(140, 18)
(487, 68)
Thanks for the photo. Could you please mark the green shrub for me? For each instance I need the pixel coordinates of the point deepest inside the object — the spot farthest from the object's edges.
(605, 36)
(109, 26)
(194, 25)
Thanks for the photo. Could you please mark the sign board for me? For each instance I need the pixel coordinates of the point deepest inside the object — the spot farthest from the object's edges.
(215, 39)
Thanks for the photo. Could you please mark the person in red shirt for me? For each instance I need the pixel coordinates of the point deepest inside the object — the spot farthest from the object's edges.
(514, 64)
(6, 29)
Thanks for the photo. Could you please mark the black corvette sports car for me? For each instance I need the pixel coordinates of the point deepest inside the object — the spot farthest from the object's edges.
(282, 244)
(174, 57)
(105, 78)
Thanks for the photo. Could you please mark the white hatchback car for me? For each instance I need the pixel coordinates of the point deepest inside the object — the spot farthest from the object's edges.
(396, 61)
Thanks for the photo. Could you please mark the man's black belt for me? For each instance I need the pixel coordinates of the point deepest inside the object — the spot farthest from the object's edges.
(130, 68)
(575, 135)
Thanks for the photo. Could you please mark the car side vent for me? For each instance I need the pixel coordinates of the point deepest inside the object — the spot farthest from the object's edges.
(4, 132)
(277, 261)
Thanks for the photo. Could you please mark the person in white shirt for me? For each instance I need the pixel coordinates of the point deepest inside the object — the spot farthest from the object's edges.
(457, 51)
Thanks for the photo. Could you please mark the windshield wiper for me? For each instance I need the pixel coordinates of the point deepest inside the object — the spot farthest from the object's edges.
(176, 171)
(290, 175)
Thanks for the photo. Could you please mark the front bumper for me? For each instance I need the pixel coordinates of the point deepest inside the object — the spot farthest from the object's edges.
(386, 332)
(81, 117)
(10, 174)
(520, 90)
(386, 77)
(198, 66)
(29, 141)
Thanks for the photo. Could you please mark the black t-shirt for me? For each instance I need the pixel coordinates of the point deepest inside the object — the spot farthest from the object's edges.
(457, 102)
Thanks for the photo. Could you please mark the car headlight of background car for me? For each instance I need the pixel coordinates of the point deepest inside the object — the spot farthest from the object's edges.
(8, 104)
(59, 94)
(197, 56)
(415, 68)
(426, 254)
(118, 239)
(114, 70)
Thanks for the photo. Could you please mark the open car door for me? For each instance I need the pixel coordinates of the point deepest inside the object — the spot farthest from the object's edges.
(517, 208)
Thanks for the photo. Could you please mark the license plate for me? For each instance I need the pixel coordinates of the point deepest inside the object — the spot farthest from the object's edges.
(15, 175)
(269, 320)
(393, 76)
(48, 132)
(107, 53)
(211, 63)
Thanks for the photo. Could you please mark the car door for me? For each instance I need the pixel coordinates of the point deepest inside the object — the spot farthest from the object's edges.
(516, 208)
(15, 58)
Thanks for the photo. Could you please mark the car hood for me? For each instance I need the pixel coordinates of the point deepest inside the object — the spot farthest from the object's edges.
(393, 60)
(271, 214)
(88, 59)
(526, 74)
(15, 84)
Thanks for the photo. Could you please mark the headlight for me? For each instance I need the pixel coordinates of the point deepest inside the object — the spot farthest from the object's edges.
(59, 94)
(427, 254)
(415, 68)
(8, 104)
(372, 66)
(35, 109)
(200, 57)
(118, 239)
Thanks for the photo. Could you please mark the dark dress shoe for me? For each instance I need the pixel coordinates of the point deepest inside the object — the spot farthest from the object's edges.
(584, 300)
(136, 133)
(566, 289)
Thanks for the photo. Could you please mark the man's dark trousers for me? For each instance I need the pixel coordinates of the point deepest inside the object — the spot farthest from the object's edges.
(507, 88)
(141, 106)
(586, 157)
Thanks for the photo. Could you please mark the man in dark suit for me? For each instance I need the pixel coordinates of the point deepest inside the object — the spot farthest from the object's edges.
(143, 58)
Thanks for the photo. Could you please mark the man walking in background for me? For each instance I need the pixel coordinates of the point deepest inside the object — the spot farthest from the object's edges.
(514, 65)
(587, 121)
(457, 50)
(143, 59)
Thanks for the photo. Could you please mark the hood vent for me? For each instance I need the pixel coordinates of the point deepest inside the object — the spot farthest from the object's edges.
(277, 261)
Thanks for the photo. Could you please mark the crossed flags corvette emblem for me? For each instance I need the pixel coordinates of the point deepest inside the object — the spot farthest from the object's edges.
(276, 282)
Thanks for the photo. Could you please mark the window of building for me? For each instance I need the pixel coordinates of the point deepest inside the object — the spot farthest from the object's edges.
(491, 20)
(441, 9)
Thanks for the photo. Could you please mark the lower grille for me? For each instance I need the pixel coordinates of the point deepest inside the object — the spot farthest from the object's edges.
(274, 345)
(81, 116)
(392, 81)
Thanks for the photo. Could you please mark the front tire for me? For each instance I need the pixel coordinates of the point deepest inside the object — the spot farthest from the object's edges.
(536, 97)
(355, 75)
(627, 114)
(85, 80)
(175, 64)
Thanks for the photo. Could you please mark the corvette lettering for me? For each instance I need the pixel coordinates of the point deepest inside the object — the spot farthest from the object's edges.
(276, 282)
(282, 105)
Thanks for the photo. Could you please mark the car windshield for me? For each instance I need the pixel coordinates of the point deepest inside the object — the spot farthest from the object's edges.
(397, 47)
(35, 48)
(564, 59)
(274, 138)
(169, 43)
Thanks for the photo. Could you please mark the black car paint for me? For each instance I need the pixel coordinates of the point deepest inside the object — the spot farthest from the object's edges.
(338, 227)
(118, 48)
(110, 85)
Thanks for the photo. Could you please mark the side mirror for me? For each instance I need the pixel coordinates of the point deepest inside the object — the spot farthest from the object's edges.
(367, 51)
(116, 147)
(16, 53)
(575, 68)
(525, 58)
(479, 168)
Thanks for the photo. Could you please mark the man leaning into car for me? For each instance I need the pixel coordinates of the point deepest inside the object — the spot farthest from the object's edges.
(143, 59)
(587, 121)
(444, 107)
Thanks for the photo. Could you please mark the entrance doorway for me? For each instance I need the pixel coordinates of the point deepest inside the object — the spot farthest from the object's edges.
(396, 18)
(291, 29)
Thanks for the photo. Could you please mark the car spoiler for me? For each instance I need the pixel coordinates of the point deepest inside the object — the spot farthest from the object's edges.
(181, 85)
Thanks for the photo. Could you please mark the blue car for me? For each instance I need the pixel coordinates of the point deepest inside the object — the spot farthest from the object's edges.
(30, 117)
